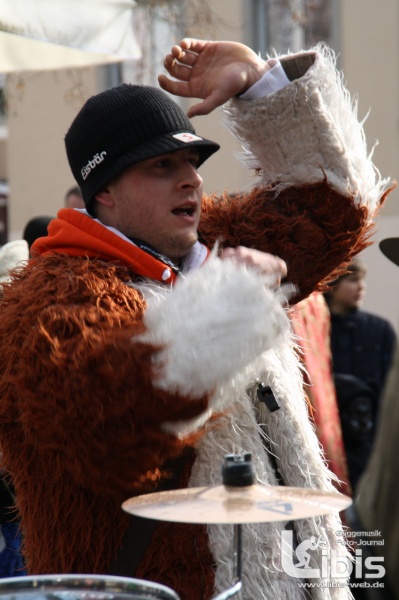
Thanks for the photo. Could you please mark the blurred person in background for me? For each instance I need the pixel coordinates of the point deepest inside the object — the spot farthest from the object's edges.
(362, 343)
(73, 198)
(36, 228)
(375, 512)
(357, 402)
(12, 254)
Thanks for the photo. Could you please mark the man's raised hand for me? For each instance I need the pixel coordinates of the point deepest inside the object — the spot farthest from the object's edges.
(213, 71)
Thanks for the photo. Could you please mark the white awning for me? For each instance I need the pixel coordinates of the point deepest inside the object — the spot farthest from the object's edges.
(49, 34)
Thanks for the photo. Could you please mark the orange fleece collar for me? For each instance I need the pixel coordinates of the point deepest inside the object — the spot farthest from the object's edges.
(76, 234)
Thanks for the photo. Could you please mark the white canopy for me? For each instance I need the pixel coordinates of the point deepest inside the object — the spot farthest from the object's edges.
(49, 34)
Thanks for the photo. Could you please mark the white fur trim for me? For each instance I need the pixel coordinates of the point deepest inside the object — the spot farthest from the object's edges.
(212, 324)
(12, 254)
(306, 131)
(293, 441)
(247, 423)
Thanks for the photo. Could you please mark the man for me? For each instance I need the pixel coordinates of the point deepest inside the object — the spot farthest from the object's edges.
(142, 354)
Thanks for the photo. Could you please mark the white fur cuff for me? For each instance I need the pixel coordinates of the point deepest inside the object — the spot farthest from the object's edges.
(212, 324)
(307, 131)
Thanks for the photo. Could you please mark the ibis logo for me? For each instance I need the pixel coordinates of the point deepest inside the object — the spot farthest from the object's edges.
(300, 561)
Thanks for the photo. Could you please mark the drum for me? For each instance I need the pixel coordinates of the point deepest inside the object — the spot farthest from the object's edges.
(82, 587)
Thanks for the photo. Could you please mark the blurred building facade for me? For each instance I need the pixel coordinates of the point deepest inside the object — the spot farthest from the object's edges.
(40, 105)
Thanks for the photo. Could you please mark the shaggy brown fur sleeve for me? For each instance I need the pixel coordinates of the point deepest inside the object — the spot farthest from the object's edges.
(74, 381)
(313, 228)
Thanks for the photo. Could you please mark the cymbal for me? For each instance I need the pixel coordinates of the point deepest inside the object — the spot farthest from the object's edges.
(221, 504)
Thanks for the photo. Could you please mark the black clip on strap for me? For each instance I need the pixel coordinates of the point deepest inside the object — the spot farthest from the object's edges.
(265, 394)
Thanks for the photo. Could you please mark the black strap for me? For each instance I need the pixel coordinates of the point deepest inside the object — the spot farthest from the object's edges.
(139, 533)
(135, 543)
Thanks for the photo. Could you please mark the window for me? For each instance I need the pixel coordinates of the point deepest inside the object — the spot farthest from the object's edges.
(291, 25)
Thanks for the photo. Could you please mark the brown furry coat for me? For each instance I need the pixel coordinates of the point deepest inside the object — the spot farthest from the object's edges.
(79, 416)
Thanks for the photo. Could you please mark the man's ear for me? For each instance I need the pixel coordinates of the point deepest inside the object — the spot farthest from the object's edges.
(105, 197)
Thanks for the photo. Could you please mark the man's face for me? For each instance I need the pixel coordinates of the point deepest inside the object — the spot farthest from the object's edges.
(159, 201)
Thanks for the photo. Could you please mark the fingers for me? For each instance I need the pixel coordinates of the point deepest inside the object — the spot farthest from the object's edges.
(176, 68)
(182, 89)
(203, 108)
(179, 66)
(179, 62)
(185, 57)
(193, 44)
(265, 263)
(197, 110)
(177, 88)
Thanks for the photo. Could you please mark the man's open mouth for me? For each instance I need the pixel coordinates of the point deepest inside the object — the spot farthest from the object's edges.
(184, 210)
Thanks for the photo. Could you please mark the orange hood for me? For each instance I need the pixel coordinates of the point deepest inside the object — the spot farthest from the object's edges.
(76, 234)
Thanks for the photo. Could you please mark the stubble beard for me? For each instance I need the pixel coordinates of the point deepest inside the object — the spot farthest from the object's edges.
(177, 249)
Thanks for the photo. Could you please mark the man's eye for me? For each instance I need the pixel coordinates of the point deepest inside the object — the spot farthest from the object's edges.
(162, 163)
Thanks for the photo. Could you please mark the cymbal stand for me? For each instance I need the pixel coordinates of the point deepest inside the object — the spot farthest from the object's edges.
(236, 588)
(237, 471)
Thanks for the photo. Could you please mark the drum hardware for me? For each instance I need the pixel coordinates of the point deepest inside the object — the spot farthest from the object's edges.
(237, 501)
(82, 587)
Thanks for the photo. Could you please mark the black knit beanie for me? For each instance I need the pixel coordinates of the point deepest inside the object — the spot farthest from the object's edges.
(121, 127)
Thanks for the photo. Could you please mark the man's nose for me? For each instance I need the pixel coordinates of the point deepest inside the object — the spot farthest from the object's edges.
(190, 177)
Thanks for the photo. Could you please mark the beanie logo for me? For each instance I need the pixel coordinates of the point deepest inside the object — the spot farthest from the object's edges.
(96, 160)
(187, 137)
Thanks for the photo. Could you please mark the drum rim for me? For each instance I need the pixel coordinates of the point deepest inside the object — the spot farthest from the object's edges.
(85, 582)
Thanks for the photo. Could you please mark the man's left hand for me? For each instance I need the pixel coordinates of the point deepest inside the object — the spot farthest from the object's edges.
(265, 263)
